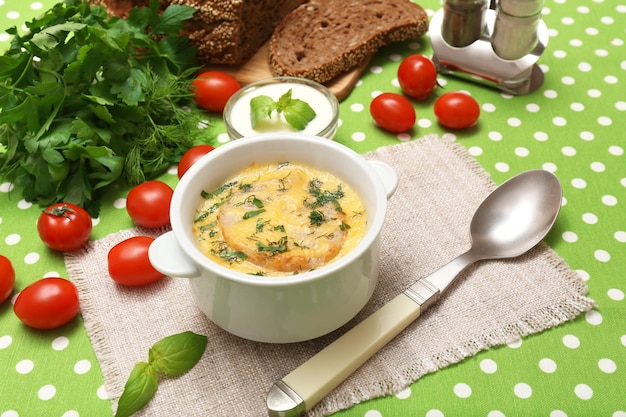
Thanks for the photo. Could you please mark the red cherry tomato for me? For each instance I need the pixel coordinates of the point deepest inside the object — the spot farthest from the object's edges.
(7, 278)
(48, 303)
(191, 156)
(393, 112)
(457, 110)
(129, 263)
(148, 204)
(417, 76)
(64, 227)
(212, 89)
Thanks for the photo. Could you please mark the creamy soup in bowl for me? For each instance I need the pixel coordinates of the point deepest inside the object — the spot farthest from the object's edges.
(279, 219)
(301, 298)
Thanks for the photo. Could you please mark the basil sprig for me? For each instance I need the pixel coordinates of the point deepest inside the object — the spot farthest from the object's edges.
(297, 112)
(172, 355)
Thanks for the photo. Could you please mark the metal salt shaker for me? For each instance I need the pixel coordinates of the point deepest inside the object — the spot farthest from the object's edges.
(515, 28)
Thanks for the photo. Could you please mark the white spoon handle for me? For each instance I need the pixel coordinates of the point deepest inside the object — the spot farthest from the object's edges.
(306, 385)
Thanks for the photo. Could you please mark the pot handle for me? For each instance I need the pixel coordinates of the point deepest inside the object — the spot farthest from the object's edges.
(167, 257)
(388, 176)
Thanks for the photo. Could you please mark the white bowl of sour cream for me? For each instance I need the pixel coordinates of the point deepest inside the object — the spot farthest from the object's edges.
(237, 112)
(291, 307)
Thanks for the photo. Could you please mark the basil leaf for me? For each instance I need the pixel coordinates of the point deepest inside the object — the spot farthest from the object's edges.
(284, 100)
(139, 389)
(298, 114)
(261, 107)
(178, 353)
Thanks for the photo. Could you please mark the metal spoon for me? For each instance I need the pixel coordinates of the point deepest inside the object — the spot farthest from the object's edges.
(508, 223)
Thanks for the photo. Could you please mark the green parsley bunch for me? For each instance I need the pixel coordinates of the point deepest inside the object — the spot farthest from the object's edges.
(87, 99)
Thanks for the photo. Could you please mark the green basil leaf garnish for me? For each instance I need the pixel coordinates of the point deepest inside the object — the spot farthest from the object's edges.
(297, 112)
(172, 355)
(139, 389)
(178, 353)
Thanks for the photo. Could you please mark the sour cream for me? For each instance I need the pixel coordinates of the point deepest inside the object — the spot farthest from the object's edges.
(237, 113)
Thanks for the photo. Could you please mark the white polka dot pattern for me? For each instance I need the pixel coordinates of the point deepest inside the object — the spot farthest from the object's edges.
(573, 126)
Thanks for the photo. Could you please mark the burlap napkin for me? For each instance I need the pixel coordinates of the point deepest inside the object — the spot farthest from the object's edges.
(492, 303)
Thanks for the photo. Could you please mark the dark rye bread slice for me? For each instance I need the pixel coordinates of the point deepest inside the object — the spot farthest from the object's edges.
(324, 38)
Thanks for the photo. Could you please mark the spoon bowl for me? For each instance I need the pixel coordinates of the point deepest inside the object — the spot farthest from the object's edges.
(516, 216)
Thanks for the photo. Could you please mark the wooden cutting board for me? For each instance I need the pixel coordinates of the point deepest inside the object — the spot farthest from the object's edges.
(258, 68)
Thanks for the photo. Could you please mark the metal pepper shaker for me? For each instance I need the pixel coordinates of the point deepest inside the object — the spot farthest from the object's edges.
(515, 28)
(463, 21)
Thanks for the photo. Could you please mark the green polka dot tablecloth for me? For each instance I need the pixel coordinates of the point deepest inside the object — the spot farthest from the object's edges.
(574, 126)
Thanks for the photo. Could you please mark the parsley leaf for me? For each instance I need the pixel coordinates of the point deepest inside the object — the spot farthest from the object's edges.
(297, 112)
(89, 100)
(323, 197)
(273, 248)
(249, 214)
(317, 218)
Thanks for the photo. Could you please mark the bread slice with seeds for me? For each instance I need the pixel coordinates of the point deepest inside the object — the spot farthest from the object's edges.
(325, 38)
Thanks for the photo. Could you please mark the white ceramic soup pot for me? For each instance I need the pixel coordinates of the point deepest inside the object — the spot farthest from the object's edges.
(277, 309)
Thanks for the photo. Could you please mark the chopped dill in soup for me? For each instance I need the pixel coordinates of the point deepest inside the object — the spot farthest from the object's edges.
(279, 219)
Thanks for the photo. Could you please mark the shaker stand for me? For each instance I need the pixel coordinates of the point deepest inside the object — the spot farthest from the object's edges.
(478, 62)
